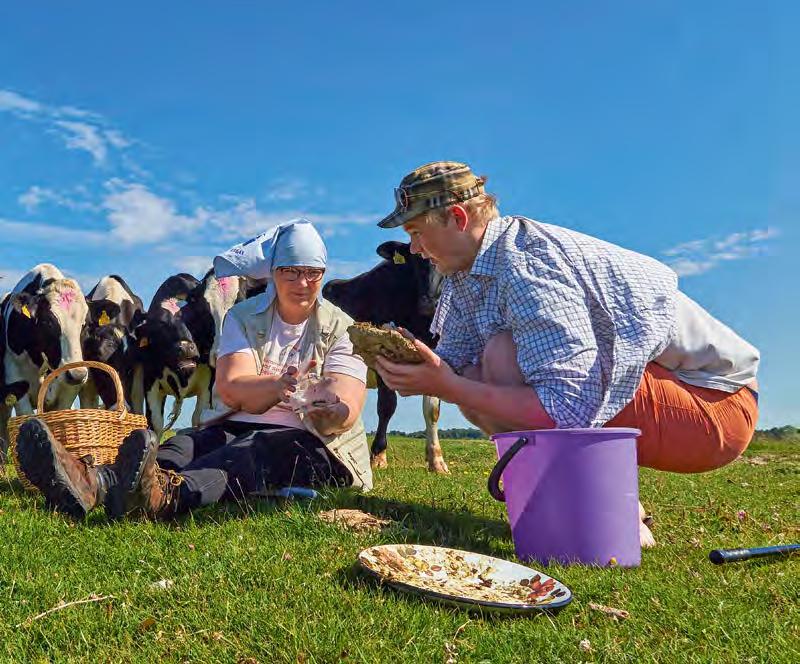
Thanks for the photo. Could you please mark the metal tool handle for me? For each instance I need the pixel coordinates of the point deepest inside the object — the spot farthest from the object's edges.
(720, 556)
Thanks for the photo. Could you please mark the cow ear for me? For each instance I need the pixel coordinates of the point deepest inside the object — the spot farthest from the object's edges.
(103, 312)
(137, 319)
(388, 250)
(24, 305)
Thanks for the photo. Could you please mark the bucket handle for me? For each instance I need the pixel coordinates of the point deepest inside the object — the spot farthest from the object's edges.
(494, 477)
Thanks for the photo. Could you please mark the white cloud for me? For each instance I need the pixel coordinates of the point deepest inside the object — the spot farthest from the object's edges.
(137, 215)
(90, 134)
(699, 256)
(196, 265)
(35, 196)
(28, 233)
(116, 138)
(9, 277)
(11, 101)
(285, 190)
(245, 219)
(82, 136)
(290, 189)
(348, 269)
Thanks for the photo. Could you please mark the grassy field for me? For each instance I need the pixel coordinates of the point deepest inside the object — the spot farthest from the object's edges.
(269, 582)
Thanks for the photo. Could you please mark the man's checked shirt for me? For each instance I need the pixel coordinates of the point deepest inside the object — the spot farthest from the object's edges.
(586, 316)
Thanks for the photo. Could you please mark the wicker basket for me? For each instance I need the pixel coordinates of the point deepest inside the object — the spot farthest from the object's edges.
(88, 431)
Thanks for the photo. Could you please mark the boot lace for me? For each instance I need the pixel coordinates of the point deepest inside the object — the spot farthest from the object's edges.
(169, 481)
(87, 460)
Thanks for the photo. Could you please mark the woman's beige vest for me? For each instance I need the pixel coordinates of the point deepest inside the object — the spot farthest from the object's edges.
(325, 326)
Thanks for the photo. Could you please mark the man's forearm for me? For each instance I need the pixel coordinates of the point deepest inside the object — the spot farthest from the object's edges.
(516, 407)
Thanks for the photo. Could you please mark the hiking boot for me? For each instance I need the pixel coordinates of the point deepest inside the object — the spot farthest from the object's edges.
(142, 486)
(70, 485)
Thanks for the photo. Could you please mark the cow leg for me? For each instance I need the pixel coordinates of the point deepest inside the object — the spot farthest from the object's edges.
(88, 396)
(387, 404)
(137, 390)
(154, 405)
(203, 392)
(5, 413)
(433, 451)
(24, 405)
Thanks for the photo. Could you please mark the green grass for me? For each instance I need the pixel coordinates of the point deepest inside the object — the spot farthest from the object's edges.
(271, 583)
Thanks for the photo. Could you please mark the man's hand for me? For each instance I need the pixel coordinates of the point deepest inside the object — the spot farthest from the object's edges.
(433, 377)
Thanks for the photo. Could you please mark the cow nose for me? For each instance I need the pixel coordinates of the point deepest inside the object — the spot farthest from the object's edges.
(189, 348)
(77, 376)
(427, 306)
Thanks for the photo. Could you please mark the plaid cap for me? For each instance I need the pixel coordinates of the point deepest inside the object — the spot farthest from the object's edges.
(434, 185)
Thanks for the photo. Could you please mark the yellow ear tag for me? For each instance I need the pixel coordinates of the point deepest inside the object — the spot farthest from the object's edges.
(144, 342)
(104, 319)
(25, 311)
(398, 258)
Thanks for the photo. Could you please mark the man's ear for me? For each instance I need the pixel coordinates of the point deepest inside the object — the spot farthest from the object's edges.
(460, 216)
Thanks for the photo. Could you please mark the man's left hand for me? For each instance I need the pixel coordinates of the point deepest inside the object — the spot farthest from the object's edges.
(432, 377)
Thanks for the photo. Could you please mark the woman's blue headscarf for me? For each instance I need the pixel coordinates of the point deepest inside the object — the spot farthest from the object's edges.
(294, 243)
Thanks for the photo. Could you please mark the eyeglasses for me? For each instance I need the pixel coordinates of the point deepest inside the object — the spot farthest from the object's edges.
(311, 274)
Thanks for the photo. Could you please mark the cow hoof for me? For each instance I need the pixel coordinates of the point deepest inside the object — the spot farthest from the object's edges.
(379, 461)
(438, 466)
(646, 538)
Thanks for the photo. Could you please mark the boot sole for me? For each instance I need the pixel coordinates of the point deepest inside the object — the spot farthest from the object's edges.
(39, 464)
(132, 459)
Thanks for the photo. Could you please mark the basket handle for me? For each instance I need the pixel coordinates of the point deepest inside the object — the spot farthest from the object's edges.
(89, 364)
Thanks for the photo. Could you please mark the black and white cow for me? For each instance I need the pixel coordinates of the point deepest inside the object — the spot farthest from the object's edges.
(9, 393)
(177, 341)
(43, 317)
(107, 337)
(402, 289)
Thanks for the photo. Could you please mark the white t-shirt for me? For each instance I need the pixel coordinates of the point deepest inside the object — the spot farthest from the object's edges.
(282, 352)
(707, 353)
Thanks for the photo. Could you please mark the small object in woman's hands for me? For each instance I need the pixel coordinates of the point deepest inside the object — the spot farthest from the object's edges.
(313, 392)
(304, 393)
(370, 342)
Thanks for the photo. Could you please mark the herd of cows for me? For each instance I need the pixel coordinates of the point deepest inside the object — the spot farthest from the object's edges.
(170, 348)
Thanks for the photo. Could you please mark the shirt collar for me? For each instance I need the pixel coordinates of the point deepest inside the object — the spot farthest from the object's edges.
(484, 261)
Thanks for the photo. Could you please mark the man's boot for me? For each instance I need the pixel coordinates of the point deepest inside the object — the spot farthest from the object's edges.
(142, 486)
(70, 485)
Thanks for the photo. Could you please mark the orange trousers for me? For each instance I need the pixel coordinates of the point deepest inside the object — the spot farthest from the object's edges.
(687, 429)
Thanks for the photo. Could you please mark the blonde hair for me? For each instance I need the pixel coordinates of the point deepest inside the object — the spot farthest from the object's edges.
(481, 209)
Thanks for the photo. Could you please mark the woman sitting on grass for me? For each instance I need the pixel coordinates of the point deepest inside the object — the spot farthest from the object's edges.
(268, 343)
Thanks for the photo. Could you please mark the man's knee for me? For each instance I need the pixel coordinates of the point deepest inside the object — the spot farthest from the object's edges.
(499, 361)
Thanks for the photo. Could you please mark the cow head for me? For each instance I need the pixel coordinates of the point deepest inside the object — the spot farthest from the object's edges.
(105, 339)
(163, 342)
(46, 323)
(205, 309)
(403, 289)
(415, 270)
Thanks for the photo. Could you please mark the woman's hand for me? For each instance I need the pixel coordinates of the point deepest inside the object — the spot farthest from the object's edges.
(328, 417)
(286, 383)
(324, 407)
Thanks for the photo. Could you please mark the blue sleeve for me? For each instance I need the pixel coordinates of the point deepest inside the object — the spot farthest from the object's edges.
(555, 341)
(458, 344)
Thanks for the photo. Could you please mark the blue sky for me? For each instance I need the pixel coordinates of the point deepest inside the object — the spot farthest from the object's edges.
(142, 139)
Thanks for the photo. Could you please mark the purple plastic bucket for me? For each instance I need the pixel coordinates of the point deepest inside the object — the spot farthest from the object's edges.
(572, 495)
